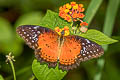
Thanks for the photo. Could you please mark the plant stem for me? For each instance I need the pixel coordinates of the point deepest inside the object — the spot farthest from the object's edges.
(32, 78)
(13, 69)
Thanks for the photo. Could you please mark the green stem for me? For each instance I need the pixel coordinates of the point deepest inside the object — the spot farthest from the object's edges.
(13, 69)
(32, 78)
(21, 71)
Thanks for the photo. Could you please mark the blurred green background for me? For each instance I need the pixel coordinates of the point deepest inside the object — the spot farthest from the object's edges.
(106, 18)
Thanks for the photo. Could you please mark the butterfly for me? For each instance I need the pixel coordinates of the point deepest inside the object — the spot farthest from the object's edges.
(51, 48)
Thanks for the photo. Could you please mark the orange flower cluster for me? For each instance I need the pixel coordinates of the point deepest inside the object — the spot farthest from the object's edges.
(71, 12)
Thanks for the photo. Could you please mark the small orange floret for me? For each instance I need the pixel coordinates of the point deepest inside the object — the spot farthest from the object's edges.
(83, 24)
(81, 15)
(66, 29)
(57, 29)
(60, 8)
(83, 29)
(68, 18)
(68, 6)
(73, 3)
(81, 5)
(75, 6)
(66, 10)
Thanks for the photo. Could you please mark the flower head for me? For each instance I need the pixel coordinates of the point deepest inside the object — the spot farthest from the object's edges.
(10, 57)
(71, 12)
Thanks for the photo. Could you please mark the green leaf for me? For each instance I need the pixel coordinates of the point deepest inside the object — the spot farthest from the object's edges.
(98, 37)
(92, 9)
(42, 72)
(52, 19)
(1, 78)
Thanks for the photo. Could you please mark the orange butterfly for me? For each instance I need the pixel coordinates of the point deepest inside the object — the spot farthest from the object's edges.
(52, 48)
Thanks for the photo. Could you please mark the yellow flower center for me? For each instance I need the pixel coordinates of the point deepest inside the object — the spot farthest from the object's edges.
(76, 6)
(68, 6)
(63, 32)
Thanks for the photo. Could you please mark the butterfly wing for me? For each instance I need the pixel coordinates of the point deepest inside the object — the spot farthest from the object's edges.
(43, 40)
(76, 49)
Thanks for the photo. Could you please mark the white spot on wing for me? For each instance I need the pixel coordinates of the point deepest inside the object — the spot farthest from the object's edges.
(35, 36)
(36, 27)
(23, 30)
(83, 43)
(38, 32)
(90, 51)
(89, 45)
(83, 54)
(92, 44)
(29, 37)
(97, 50)
(27, 34)
(87, 40)
(29, 27)
(84, 48)
(87, 52)
(94, 51)
(32, 41)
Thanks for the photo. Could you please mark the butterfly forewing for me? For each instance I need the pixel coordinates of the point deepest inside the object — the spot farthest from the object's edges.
(49, 45)
(30, 34)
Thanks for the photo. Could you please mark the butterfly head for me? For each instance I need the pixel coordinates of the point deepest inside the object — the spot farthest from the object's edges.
(63, 32)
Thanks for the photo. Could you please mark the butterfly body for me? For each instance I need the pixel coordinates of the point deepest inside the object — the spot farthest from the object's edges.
(52, 48)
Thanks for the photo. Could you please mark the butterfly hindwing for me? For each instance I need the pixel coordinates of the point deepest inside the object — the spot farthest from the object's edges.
(89, 49)
(77, 49)
(30, 34)
(69, 50)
